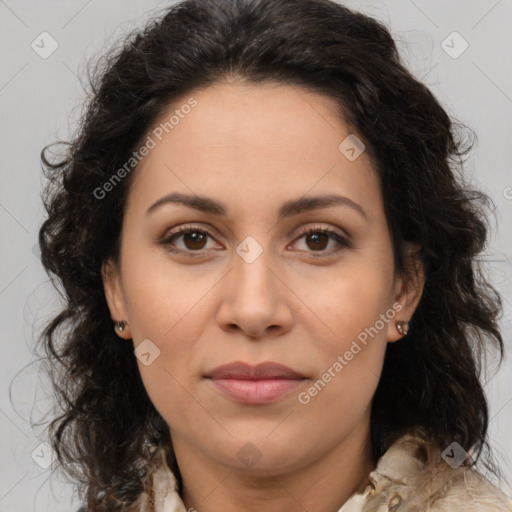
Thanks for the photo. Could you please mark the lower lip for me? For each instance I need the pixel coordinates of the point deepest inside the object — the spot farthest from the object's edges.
(256, 391)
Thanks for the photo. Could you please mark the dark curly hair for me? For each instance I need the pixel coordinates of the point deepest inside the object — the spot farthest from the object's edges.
(109, 429)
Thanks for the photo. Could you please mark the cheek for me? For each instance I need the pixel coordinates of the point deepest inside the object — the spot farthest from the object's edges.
(173, 320)
(355, 305)
(352, 301)
(169, 308)
(162, 297)
(352, 349)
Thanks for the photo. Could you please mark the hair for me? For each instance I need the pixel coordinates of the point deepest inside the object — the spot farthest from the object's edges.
(109, 429)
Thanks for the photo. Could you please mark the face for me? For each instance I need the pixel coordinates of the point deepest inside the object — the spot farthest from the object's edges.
(263, 273)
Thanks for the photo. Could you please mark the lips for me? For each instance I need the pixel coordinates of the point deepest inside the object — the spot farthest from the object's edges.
(243, 371)
(261, 384)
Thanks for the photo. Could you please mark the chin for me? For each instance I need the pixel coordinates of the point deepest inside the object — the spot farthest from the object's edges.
(259, 455)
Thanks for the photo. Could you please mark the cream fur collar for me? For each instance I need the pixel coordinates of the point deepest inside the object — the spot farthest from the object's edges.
(401, 482)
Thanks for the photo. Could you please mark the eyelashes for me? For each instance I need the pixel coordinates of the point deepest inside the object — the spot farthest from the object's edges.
(193, 235)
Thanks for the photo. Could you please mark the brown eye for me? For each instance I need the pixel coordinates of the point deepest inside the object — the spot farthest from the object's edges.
(192, 240)
(317, 240)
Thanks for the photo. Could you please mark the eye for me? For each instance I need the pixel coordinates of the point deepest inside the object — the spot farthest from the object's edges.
(317, 239)
(193, 238)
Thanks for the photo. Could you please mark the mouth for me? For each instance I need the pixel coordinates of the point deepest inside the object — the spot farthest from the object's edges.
(261, 384)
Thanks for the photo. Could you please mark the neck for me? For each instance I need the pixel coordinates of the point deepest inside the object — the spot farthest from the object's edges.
(323, 485)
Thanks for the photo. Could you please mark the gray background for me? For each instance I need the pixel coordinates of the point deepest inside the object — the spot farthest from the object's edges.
(40, 103)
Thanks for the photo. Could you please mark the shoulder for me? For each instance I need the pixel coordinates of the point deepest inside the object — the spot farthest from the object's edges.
(404, 482)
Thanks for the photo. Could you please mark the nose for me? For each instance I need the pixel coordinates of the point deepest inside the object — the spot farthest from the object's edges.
(255, 299)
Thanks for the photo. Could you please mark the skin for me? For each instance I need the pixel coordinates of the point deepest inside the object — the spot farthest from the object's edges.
(252, 148)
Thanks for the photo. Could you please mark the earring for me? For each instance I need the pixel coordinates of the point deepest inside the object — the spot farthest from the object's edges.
(403, 327)
(120, 325)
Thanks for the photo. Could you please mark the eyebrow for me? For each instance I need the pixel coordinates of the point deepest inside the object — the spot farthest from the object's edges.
(288, 209)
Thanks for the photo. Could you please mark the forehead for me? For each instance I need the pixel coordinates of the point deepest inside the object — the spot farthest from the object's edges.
(256, 139)
(280, 116)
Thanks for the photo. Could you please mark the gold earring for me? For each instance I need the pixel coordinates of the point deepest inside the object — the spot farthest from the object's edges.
(121, 325)
(403, 327)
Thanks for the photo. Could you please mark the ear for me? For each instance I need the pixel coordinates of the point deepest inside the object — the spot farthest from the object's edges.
(114, 296)
(408, 290)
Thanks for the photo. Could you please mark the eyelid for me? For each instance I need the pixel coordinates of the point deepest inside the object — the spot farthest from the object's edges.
(323, 228)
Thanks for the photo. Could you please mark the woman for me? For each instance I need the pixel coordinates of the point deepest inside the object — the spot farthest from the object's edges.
(270, 269)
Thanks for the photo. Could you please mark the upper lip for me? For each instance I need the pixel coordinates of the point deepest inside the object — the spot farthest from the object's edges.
(244, 371)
